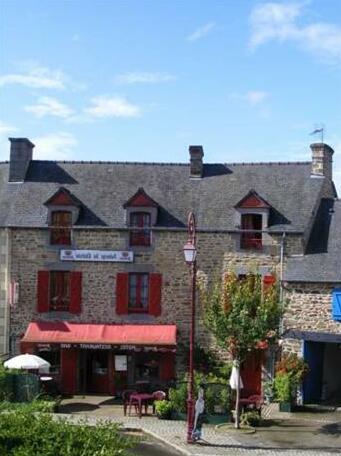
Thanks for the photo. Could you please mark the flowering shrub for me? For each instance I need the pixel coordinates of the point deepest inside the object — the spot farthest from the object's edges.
(291, 364)
(290, 371)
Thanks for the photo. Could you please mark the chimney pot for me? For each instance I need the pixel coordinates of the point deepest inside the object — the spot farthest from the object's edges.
(20, 156)
(322, 160)
(197, 167)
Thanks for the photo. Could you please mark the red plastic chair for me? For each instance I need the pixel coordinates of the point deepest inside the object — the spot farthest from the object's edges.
(158, 396)
(126, 401)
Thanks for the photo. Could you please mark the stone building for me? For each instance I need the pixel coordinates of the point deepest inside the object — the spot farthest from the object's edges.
(92, 271)
(312, 285)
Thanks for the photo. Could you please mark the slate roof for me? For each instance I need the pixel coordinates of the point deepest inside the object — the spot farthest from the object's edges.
(322, 263)
(104, 187)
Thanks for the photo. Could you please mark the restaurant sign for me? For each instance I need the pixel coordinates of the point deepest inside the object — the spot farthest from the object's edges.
(135, 348)
(117, 256)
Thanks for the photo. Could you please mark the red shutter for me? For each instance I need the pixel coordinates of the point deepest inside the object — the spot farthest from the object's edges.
(122, 293)
(43, 291)
(76, 292)
(167, 366)
(268, 281)
(155, 284)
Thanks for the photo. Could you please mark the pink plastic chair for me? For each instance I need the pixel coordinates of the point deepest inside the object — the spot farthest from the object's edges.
(158, 396)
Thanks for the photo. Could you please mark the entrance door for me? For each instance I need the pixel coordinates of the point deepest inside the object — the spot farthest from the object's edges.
(69, 370)
(312, 385)
(251, 374)
(97, 374)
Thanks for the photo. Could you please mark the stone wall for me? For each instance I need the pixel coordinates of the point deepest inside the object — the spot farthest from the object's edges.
(216, 252)
(308, 307)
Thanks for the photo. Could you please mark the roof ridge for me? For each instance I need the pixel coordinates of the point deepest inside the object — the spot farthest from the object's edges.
(105, 162)
(270, 163)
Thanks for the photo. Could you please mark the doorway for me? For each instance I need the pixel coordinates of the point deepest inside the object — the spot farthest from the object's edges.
(323, 381)
(93, 371)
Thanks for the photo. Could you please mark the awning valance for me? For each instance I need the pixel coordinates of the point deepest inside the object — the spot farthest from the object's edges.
(78, 333)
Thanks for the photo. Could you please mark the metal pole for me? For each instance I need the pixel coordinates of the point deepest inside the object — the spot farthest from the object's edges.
(190, 401)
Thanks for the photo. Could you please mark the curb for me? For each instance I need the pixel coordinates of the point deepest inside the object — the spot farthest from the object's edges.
(163, 440)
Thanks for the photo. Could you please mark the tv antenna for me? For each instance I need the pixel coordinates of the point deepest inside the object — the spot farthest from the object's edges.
(319, 129)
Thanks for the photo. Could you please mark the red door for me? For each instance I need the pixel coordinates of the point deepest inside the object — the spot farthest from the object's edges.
(69, 359)
(167, 366)
(251, 373)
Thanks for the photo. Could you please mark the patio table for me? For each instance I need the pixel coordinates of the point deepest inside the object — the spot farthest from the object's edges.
(141, 399)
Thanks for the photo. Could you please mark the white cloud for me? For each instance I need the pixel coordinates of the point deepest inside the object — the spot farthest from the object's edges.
(112, 107)
(143, 77)
(279, 21)
(201, 32)
(48, 106)
(37, 77)
(255, 97)
(6, 129)
(55, 146)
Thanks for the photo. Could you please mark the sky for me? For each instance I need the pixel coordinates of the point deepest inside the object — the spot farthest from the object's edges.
(141, 80)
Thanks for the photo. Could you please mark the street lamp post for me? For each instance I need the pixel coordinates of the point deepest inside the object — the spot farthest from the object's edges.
(190, 253)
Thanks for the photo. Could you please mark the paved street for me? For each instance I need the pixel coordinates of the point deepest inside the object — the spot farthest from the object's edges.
(299, 434)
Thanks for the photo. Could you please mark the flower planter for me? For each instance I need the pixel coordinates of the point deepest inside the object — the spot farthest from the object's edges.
(286, 407)
(179, 416)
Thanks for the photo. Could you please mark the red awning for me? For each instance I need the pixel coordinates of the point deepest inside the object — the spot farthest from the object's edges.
(79, 333)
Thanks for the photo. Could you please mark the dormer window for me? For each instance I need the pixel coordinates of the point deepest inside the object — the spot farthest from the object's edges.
(60, 229)
(253, 215)
(141, 233)
(251, 239)
(141, 215)
(63, 211)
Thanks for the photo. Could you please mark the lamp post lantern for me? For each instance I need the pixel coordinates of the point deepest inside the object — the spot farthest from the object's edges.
(190, 254)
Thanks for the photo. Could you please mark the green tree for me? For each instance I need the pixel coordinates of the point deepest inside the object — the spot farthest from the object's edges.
(243, 315)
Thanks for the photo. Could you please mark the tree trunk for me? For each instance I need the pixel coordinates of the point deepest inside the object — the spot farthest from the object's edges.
(236, 424)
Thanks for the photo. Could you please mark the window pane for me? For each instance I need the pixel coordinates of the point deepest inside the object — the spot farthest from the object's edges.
(61, 222)
(142, 221)
(251, 240)
(144, 290)
(59, 290)
(138, 291)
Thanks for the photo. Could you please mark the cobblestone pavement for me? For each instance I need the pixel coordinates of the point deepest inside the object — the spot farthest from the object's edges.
(309, 434)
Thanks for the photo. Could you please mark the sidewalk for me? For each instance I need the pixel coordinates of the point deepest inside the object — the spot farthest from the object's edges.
(308, 435)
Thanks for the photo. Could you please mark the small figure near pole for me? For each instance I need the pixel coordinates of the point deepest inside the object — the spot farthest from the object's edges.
(199, 415)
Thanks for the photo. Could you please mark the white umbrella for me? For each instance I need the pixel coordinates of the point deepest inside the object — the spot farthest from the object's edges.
(27, 361)
(234, 379)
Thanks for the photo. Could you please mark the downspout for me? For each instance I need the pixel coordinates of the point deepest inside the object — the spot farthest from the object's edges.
(281, 326)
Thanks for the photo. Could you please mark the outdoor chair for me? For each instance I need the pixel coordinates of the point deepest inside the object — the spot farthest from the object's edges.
(126, 401)
(158, 396)
(253, 402)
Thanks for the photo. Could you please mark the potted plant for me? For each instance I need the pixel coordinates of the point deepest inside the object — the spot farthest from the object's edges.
(290, 372)
(164, 409)
(284, 390)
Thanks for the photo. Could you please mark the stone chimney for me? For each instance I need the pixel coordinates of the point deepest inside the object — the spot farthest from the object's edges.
(197, 167)
(20, 157)
(322, 160)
